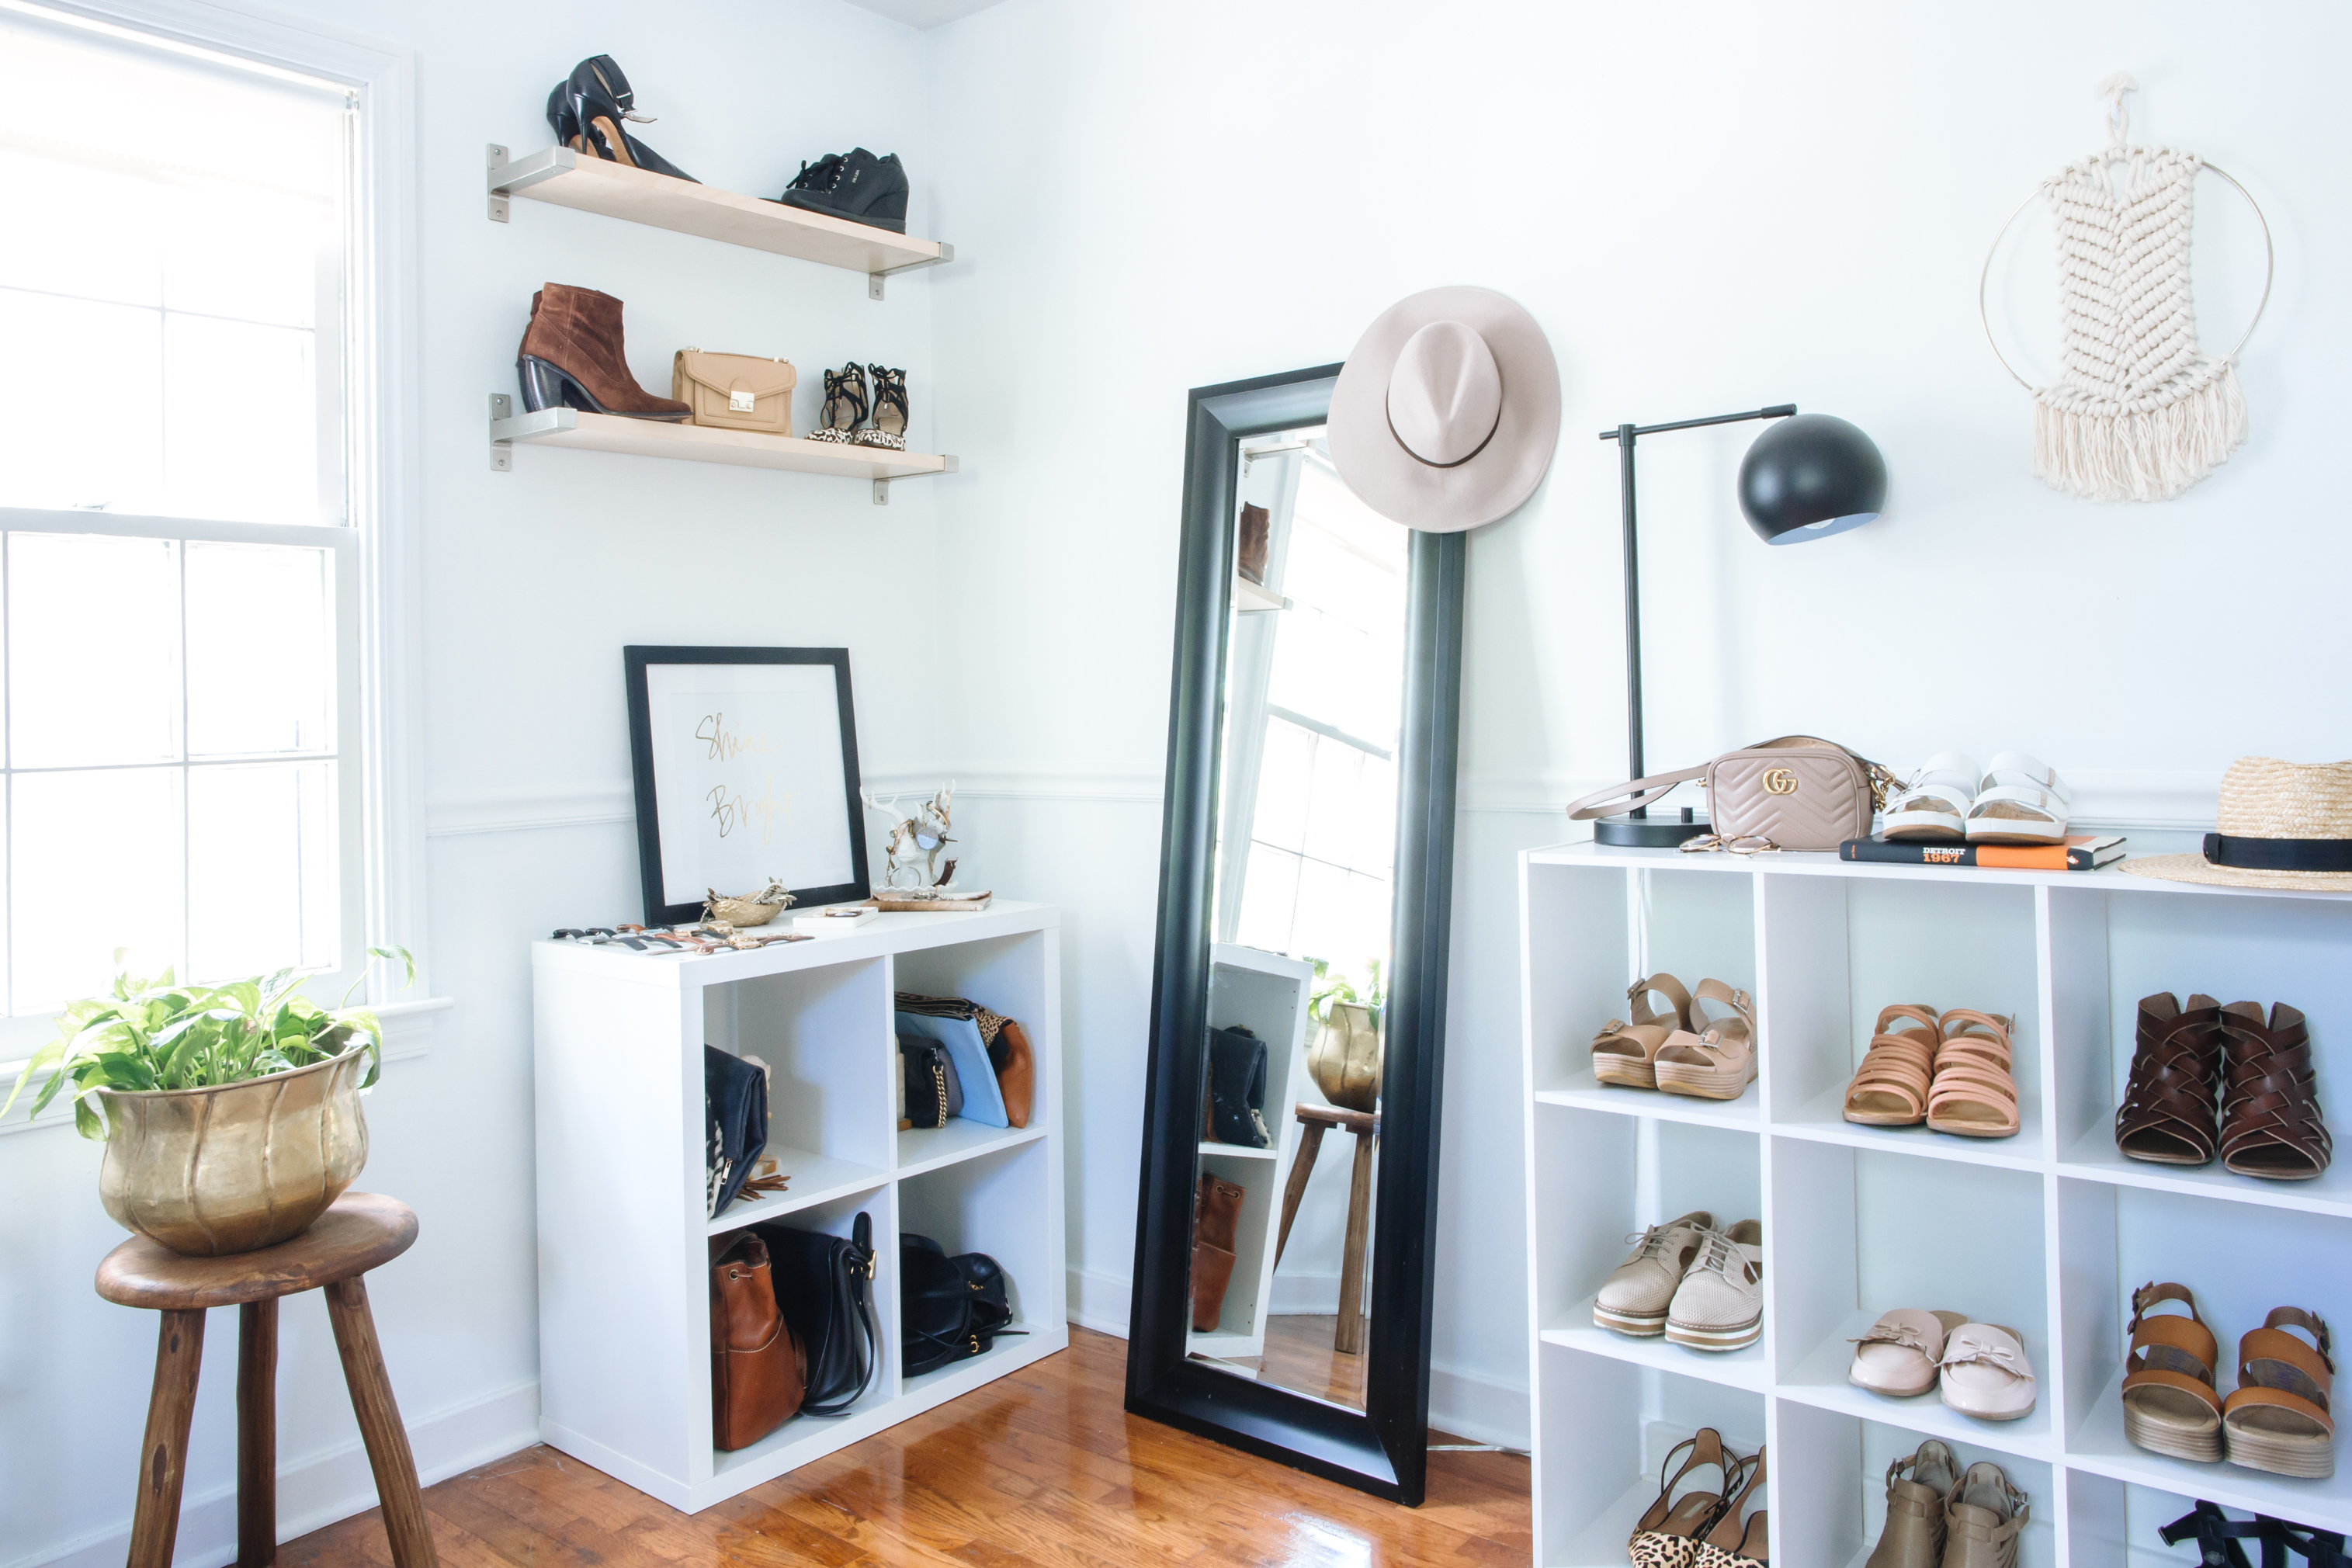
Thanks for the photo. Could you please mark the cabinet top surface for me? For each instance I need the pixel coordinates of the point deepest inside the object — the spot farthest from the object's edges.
(886, 933)
(1784, 863)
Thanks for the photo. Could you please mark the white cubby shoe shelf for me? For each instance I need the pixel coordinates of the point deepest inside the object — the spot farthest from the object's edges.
(569, 179)
(2047, 1232)
(624, 1241)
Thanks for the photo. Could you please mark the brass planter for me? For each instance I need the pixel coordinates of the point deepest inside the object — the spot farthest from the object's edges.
(238, 1167)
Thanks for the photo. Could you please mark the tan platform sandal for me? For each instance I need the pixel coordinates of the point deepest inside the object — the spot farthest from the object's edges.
(1735, 1543)
(1890, 1087)
(1715, 1058)
(1626, 1053)
(1668, 1535)
(1983, 1517)
(2170, 1405)
(2278, 1419)
(1914, 1533)
(1973, 1093)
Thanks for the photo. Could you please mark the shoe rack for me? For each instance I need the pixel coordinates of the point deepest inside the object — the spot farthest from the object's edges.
(623, 1265)
(1266, 994)
(566, 178)
(2047, 1232)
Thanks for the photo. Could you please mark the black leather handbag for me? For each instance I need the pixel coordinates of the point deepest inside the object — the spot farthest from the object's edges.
(735, 1105)
(949, 1309)
(824, 1287)
(934, 1091)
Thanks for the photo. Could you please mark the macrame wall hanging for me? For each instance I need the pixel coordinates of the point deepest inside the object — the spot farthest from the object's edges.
(2138, 412)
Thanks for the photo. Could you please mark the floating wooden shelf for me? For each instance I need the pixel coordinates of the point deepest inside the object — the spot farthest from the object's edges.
(1250, 599)
(702, 444)
(569, 179)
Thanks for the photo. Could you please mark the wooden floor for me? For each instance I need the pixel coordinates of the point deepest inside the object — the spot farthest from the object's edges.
(1299, 1355)
(1042, 1467)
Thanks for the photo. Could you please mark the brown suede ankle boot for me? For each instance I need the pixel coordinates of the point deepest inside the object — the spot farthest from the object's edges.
(1217, 1212)
(571, 357)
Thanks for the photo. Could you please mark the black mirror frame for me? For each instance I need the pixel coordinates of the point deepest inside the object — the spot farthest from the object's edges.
(1384, 1449)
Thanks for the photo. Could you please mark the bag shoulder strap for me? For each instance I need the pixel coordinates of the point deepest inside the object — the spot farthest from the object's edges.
(1629, 797)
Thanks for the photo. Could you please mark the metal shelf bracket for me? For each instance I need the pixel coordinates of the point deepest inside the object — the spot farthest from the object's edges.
(497, 160)
(882, 487)
(501, 452)
(874, 279)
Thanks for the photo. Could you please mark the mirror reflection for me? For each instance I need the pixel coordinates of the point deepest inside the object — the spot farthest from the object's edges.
(1305, 845)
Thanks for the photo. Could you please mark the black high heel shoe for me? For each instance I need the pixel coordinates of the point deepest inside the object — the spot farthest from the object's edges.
(889, 429)
(844, 403)
(563, 119)
(602, 102)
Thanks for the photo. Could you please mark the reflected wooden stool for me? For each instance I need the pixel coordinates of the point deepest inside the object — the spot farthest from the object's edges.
(360, 1231)
(1314, 1121)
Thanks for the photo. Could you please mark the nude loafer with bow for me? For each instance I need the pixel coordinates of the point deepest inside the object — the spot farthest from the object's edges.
(1903, 1352)
(1984, 1372)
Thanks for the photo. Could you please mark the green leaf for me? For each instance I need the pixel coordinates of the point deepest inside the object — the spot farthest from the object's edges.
(86, 1122)
(47, 1056)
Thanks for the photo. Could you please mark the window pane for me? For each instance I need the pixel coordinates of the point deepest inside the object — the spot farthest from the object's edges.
(93, 650)
(95, 240)
(252, 255)
(95, 864)
(1334, 813)
(1282, 783)
(260, 649)
(80, 402)
(240, 421)
(261, 857)
(1269, 888)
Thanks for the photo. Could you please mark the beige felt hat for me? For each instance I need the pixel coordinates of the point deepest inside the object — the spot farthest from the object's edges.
(1447, 410)
(2282, 824)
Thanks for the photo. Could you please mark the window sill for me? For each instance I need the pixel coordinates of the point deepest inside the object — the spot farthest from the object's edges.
(408, 1030)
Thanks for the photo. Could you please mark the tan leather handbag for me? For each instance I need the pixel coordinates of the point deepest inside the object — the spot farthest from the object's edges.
(757, 1366)
(1798, 792)
(735, 392)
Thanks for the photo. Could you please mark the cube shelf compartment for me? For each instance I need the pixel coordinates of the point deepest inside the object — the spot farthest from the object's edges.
(2047, 1232)
(624, 1240)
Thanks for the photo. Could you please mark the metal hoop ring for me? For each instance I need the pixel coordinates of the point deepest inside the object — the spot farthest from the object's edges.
(2270, 272)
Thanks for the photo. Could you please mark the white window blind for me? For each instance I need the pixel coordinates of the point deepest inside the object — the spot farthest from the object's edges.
(179, 562)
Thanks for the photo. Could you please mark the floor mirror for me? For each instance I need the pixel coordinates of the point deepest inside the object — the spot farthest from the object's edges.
(1284, 1239)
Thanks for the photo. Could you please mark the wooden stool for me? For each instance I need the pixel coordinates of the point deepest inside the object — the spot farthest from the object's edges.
(359, 1231)
(1314, 1119)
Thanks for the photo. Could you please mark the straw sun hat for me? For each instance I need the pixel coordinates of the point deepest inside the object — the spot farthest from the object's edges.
(2283, 824)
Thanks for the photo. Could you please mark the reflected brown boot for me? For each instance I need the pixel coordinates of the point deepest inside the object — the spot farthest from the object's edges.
(1217, 1213)
(571, 357)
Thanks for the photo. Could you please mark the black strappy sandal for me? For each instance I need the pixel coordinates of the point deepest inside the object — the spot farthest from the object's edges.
(889, 427)
(844, 403)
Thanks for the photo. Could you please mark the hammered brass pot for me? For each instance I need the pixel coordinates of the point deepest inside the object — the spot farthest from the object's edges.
(1345, 1059)
(207, 1172)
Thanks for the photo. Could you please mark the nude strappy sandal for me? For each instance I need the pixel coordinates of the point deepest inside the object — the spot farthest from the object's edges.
(2170, 1405)
(2278, 1419)
(1973, 1093)
(1890, 1087)
(1627, 1053)
(1715, 1058)
(1667, 1536)
(1736, 1542)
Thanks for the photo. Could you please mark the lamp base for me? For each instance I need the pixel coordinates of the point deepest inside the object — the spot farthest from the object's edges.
(1649, 832)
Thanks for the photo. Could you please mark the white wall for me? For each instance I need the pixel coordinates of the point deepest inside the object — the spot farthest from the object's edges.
(533, 580)
(1707, 208)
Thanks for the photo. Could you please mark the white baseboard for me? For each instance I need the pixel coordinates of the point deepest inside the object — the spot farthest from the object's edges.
(1468, 1404)
(316, 1493)
(1317, 1293)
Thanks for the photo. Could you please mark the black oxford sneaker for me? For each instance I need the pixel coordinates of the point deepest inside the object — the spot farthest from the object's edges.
(855, 186)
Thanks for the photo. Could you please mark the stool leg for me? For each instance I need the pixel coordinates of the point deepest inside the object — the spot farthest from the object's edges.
(1302, 1165)
(257, 1434)
(1349, 1339)
(387, 1441)
(164, 1458)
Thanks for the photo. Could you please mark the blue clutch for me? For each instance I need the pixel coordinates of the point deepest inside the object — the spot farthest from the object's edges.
(983, 1101)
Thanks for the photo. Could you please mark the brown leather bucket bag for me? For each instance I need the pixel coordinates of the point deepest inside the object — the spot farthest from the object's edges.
(758, 1367)
(1798, 792)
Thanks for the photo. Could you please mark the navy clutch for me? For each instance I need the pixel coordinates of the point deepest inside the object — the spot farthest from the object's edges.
(735, 1104)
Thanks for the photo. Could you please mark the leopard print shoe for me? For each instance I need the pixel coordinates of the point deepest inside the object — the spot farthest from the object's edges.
(1668, 1535)
(1735, 1543)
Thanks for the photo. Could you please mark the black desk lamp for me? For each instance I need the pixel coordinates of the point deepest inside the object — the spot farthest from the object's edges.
(1806, 478)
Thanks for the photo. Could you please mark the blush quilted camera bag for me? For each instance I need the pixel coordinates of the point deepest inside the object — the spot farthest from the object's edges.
(1798, 792)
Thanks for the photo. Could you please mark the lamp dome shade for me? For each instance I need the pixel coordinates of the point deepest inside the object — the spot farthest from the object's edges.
(1809, 477)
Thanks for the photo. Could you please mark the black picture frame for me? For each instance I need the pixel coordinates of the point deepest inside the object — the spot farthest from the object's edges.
(637, 660)
(1383, 1449)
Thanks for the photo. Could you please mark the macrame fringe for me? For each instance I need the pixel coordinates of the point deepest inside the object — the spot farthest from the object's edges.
(2152, 456)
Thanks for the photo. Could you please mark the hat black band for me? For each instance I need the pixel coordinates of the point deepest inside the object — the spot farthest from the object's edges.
(1457, 462)
(2279, 854)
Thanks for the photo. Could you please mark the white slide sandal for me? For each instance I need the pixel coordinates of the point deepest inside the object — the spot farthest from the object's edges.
(2021, 801)
(1935, 804)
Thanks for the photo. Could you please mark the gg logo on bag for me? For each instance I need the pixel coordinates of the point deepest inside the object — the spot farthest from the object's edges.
(1780, 780)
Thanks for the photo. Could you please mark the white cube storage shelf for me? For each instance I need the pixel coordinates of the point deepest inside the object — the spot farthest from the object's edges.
(2047, 1232)
(624, 1260)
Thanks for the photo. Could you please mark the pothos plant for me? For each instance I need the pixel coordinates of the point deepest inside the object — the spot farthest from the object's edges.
(160, 1033)
(1328, 988)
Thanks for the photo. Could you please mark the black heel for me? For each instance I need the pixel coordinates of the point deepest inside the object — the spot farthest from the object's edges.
(844, 403)
(544, 387)
(889, 427)
(600, 102)
(562, 120)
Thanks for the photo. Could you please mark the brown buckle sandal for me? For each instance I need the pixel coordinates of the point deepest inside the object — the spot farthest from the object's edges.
(1668, 1535)
(2170, 1405)
(2173, 1103)
(2270, 1110)
(2278, 1418)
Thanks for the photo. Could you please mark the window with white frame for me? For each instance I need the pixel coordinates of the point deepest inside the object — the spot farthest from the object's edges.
(180, 563)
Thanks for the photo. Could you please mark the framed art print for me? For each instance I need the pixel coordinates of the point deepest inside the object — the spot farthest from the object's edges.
(746, 767)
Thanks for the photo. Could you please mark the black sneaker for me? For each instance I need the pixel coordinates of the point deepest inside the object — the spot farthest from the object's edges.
(855, 186)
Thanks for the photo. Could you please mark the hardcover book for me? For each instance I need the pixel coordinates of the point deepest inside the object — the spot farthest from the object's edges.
(2078, 852)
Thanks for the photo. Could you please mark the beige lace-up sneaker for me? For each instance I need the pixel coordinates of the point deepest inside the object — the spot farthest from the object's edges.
(1635, 1299)
(1719, 1306)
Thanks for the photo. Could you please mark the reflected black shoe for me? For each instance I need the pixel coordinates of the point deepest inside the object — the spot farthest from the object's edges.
(1237, 1089)
(855, 186)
